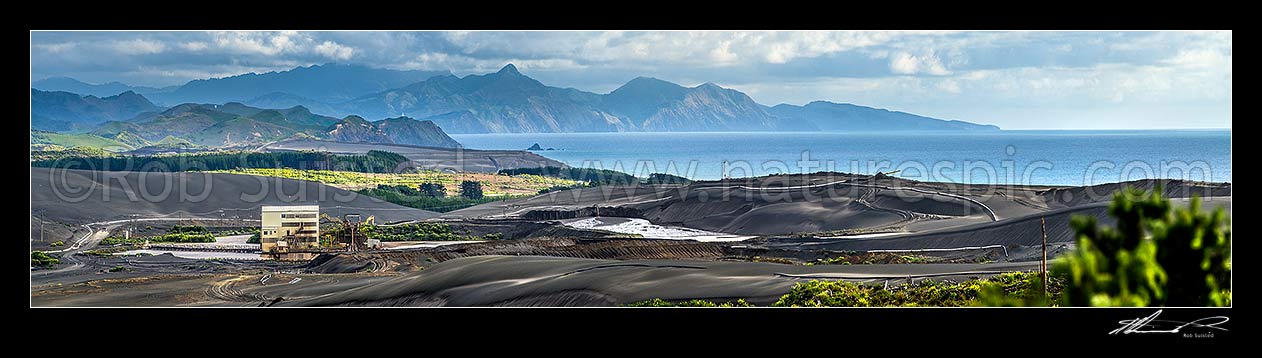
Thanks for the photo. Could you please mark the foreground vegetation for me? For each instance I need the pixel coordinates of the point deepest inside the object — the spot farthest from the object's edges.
(657, 302)
(1007, 289)
(931, 293)
(1155, 256)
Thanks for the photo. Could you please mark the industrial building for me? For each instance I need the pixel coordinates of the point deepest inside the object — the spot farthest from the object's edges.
(290, 228)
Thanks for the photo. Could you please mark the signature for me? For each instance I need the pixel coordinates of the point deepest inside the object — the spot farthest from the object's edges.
(1151, 324)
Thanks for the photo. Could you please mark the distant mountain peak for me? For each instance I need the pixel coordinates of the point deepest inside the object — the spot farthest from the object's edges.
(61, 111)
(646, 79)
(829, 103)
(354, 119)
(326, 83)
(649, 86)
(650, 83)
(509, 69)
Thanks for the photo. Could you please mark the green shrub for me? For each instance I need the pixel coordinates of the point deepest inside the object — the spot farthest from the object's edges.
(42, 259)
(471, 189)
(591, 175)
(1007, 286)
(1155, 256)
(165, 238)
(657, 302)
(57, 243)
(1020, 290)
(190, 229)
(183, 238)
(417, 232)
(425, 202)
(433, 190)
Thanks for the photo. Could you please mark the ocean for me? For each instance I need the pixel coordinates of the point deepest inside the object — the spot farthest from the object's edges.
(1005, 157)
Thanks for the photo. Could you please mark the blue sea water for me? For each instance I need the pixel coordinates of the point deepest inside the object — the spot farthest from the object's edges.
(1004, 157)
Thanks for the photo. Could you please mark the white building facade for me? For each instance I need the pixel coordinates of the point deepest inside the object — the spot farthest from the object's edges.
(288, 228)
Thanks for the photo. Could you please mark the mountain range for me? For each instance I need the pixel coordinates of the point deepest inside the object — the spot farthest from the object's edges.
(67, 84)
(505, 101)
(65, 111)
(509, 102)
(327, 83)
(840, 117)
(235, 124)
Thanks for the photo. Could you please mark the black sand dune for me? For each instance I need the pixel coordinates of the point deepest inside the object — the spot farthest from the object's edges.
(789, 204)
(79, 196)
(1074, 196)
(471, 160)
(1022, 231)
(556, 281)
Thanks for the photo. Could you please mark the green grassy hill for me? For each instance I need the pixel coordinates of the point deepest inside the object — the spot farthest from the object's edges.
(41, 140)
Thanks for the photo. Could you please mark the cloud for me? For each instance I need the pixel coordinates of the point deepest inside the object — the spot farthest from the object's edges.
(56, 47)
(1200, 58)
(723, 53)
(907, 64)
(195, 46)
(960, 74)
(334, 50)
(247, 42)
(695, 48)
(139, 47)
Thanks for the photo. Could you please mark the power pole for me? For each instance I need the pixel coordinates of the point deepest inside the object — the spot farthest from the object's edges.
(1043, 265)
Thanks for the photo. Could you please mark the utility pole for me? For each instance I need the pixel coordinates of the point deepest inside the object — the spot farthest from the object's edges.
(1043, 265)
(352, 224)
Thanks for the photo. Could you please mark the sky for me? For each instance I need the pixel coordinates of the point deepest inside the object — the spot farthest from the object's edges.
(1014, 79)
